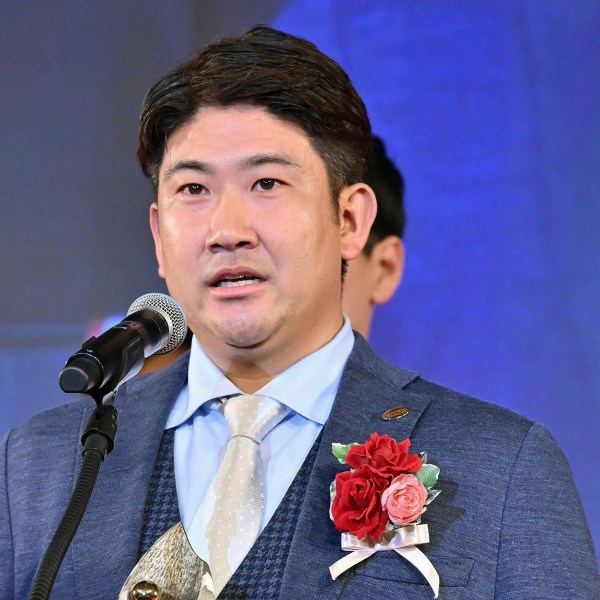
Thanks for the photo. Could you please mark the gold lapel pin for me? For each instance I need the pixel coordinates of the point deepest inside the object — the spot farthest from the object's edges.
(395, 413)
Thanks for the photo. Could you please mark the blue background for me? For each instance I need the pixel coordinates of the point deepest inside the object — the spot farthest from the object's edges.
(491, 109)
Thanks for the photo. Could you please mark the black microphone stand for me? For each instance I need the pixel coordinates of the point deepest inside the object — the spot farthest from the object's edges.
(154, 322)
(98, 440)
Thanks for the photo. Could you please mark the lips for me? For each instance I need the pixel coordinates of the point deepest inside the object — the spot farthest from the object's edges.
(234, 278)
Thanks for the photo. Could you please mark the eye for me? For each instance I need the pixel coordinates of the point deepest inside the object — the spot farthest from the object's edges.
(266, 185)
(193, 189)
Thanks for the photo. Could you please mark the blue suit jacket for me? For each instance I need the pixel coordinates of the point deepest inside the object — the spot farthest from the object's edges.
(508, 525)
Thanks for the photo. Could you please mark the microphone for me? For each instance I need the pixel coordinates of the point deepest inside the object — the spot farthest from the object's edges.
(155, 324)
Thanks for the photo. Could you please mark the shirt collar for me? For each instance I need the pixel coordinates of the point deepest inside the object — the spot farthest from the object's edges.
(319, 374)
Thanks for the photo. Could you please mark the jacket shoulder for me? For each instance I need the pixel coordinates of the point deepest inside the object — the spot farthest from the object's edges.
(47, 429)
(463, 408)
(365, 363)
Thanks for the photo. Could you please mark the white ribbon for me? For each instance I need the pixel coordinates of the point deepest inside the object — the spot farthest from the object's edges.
(403, 541)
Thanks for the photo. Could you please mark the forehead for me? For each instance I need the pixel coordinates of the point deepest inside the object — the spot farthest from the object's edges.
(231, 135)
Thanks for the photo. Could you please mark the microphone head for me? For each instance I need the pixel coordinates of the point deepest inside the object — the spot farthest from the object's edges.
(171, 311)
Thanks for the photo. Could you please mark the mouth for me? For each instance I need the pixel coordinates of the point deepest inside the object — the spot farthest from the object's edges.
(231, 279)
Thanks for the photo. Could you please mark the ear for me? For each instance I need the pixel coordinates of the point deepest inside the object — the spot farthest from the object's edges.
(358, 207)
(387, 261)
(156, 235)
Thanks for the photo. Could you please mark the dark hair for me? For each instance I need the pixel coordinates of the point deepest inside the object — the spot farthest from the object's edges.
(287, 76)
(388, 184)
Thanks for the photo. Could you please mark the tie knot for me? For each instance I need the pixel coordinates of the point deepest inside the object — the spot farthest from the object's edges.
(253, 416)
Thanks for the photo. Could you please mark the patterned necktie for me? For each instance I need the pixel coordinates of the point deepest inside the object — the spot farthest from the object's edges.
(238, 488)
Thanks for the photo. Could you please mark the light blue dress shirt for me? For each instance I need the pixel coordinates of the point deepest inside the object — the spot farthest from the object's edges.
(201, 435)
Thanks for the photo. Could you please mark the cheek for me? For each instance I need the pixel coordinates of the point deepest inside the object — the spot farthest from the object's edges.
(181, 246)
(317, 262)
(292, 239)
(320, 241)
(170, 244)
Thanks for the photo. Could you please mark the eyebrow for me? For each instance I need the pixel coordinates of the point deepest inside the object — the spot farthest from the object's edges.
(256, 160)
(183, 165)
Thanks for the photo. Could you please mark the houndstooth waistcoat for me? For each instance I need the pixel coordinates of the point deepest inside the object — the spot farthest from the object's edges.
(260, 574)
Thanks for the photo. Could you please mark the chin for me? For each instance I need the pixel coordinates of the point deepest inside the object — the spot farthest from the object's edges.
(244, 333)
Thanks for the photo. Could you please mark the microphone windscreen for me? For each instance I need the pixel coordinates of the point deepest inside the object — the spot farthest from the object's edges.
(171, 311)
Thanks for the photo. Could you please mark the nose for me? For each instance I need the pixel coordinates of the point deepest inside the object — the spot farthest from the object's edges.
(231, 224)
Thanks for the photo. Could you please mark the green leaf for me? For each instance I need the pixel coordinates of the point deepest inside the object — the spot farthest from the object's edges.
(331, 497)
(428, 475)
(433, 494)
(423, 457)
(340, 450)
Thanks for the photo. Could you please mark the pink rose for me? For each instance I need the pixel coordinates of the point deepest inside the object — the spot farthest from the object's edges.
(404, 500)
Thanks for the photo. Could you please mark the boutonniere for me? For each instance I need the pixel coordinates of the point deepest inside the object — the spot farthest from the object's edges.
(378, 503)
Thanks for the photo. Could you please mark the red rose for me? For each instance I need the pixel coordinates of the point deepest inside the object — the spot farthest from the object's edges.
(357, 506)
(385, 455)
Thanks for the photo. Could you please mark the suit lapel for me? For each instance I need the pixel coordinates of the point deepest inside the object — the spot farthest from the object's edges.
(368, 388)
(111, 528)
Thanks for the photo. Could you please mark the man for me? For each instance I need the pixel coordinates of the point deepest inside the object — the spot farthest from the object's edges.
(256, 149)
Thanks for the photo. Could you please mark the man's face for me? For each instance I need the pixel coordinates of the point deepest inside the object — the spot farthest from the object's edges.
(245, 236)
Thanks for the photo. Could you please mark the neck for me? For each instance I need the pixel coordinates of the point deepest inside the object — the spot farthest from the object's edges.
(247, 375)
